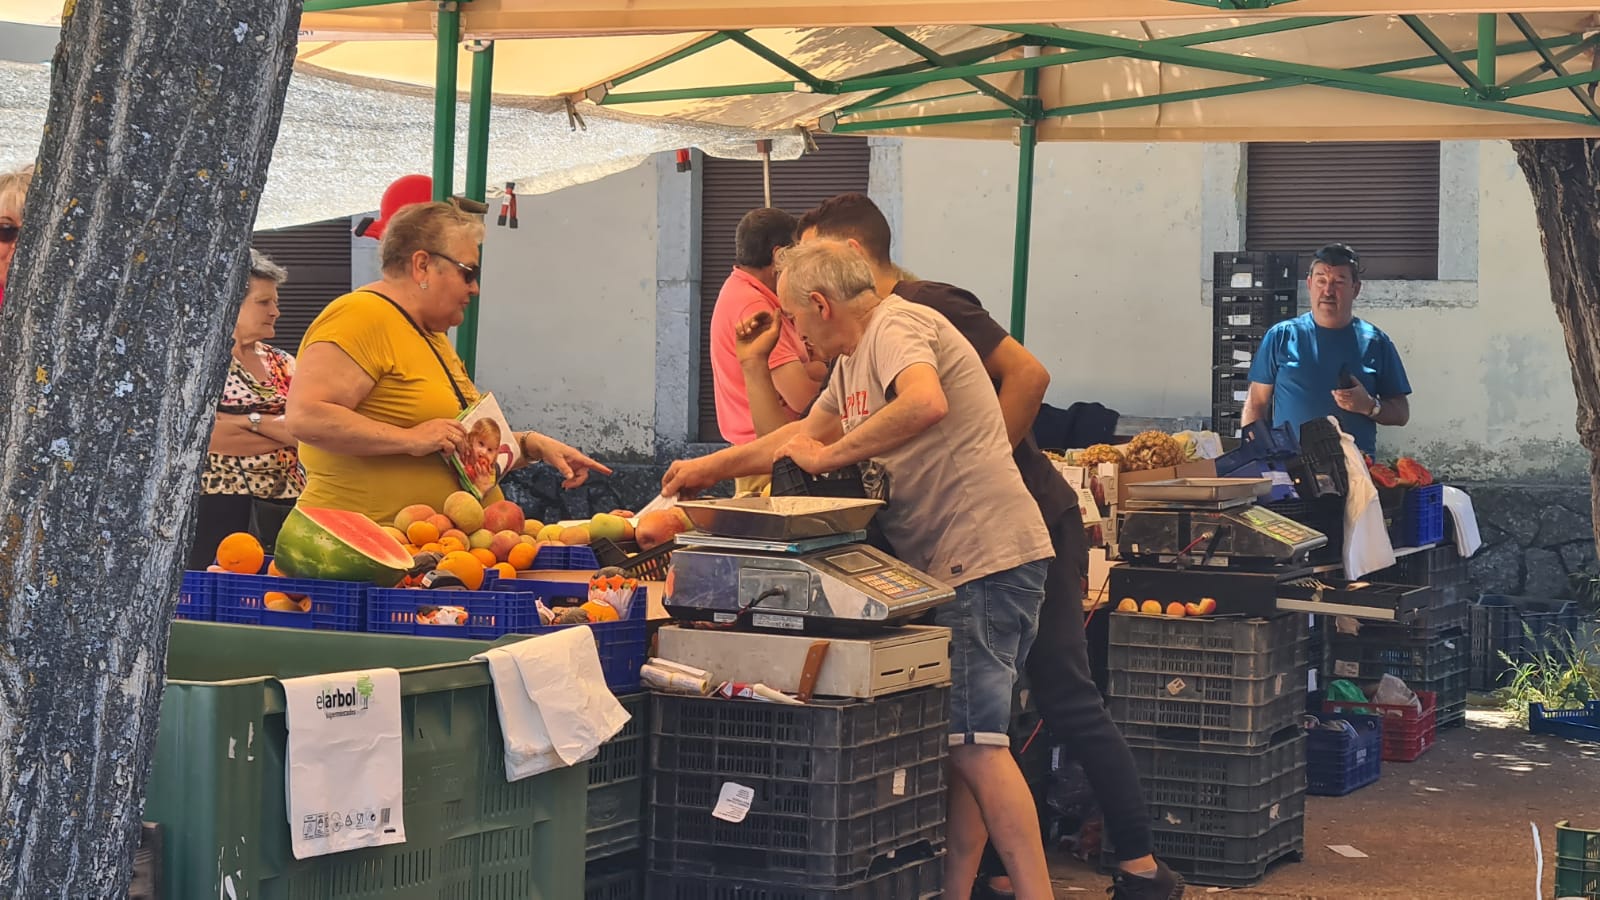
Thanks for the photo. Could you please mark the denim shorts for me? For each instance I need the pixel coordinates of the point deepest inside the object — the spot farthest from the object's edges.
(992, 623)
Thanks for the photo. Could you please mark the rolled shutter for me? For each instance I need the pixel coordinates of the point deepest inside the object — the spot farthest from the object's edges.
(317, 257)
(729, 188)
(1382, 198)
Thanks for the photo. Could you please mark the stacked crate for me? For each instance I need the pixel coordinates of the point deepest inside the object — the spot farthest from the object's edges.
(1525, 629)
(1432, 652)
(827, 800)
(1211, 709)
(614, 842)
(1250, 293)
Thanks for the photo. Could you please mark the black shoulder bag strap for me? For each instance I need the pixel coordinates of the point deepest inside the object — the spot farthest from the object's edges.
(460, 397)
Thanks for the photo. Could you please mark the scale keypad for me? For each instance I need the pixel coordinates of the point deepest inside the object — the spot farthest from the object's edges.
(895, 583)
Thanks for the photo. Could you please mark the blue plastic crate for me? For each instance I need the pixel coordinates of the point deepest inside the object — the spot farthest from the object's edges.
(621, 643)
(1340, 761)
(491, 613)
(1573, 724)
(335, 605)
(553, 558)
(1420, 519)
(194, 596)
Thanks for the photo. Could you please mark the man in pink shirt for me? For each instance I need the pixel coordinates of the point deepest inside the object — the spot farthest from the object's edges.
(749, 290)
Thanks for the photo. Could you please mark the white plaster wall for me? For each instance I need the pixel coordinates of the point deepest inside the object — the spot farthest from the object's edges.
(1114, 304)
(567, 331)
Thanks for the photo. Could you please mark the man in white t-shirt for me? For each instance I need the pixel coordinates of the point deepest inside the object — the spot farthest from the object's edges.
(909, 399)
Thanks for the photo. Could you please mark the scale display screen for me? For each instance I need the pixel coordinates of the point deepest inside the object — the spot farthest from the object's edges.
(853, 562)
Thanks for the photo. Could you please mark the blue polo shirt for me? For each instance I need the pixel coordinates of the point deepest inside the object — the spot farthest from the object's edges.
(1301, 360)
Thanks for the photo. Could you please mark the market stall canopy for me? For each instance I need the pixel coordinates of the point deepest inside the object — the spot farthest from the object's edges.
(339, 145)
(1148, 70)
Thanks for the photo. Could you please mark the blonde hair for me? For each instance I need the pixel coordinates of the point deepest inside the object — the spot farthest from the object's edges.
(14, 189)
(829, 267)
(426, 227)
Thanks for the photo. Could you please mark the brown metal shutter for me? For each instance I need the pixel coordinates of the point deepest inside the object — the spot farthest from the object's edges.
(317, 257)
(730, 188)
(1381, 198)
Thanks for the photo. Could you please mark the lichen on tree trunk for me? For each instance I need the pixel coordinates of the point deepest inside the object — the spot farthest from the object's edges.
(1564, 177)
(127, 279)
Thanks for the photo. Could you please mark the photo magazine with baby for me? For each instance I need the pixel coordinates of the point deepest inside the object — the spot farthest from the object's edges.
(491, 449)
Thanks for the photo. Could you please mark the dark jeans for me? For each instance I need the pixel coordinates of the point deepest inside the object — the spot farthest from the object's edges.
(219, 515)
(1066, 696)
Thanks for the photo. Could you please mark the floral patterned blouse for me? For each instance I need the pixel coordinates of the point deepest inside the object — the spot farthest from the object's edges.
(270, 476)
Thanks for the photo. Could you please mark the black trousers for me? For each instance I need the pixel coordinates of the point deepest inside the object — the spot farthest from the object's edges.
(219, 515)
(1070, 703)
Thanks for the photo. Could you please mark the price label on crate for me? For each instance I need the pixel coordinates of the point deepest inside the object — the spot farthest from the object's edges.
(733, 804)
(1239, 320)
(1176, 686)
(1345, 668)
(899, 786)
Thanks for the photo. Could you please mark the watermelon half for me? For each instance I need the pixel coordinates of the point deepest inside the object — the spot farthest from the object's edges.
(338, 545)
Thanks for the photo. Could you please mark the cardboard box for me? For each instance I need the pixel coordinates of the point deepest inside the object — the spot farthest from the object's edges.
(1204, 468)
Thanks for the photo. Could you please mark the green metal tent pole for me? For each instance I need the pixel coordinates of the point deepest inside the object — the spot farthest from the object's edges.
(1027, 140)
(477, 186)
(1487, 32)
(444, 101)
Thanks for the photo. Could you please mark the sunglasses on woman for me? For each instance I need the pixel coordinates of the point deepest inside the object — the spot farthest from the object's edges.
(468, 273)
(8, 233)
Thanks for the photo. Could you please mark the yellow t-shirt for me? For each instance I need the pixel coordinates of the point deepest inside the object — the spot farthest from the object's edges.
(410, 388)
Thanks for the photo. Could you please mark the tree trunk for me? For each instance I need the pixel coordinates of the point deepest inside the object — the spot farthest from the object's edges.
(1564, 176)
(129, 274)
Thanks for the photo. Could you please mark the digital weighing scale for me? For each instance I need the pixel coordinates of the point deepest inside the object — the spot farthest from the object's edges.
(792, 564)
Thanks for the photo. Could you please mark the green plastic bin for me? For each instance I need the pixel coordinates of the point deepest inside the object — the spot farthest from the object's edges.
(217, 783)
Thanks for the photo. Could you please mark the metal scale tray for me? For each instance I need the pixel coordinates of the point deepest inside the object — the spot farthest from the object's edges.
(780, 518)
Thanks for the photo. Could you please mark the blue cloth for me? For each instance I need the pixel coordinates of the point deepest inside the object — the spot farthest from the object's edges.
(1301, 360)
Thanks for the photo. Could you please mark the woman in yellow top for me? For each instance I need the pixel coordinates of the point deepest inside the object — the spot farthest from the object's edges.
(378, 386)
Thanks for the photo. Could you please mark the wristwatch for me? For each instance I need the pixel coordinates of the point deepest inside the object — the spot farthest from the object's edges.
(255, 421)
(1377, 407)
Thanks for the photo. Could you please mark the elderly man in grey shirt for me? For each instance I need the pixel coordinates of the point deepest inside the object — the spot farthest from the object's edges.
(910, 400)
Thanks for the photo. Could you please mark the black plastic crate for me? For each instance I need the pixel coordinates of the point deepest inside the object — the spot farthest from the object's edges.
(792, 850)
(1217, 772)
(1171, 688)
(1235, 351)
(1231, 645)
(1224, 724)
(616, 786)
(618, 877)
(1217, 663)
(1252, 311)
(1548, 626)
(1225, 861)
(1229, 387)
(1435, 567)
(1264, 270)
(821, 742)
(1435, 622)
(915, 878)
(1369, 658)
(1452, 716)
(1163, 794)
(1495, 629)
(1290, 803)
(1227, 423)
(807, 799)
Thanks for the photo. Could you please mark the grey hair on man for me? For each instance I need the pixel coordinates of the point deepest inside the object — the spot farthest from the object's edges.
(828, 267)
(262, 266)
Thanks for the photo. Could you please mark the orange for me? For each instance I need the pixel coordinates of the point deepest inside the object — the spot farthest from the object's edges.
(413, 549)
(433, 547)
(422, 533)
(272, 569)
(464, 566)
(484, 557)
(450, 544)
(240, 552)
(522, 556)
(505, 570)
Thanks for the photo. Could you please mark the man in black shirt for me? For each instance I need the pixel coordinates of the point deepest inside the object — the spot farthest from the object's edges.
(1058, 665)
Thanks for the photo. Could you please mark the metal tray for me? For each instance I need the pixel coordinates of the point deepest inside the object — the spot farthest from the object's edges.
(1207, 490)
(781, 518)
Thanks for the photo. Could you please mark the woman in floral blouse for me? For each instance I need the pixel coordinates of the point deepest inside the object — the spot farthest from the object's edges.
(252, 473)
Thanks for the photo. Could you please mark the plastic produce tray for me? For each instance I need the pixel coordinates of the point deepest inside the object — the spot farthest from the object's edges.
(1239, 782)
(1439, 566)
(1407, 734)
(1338, 762)
(1210, 688)
(195, 602)
(1418, 519)
(1289, 803)
(914, 878)
(469, 833)
(1238, 861)
(555, 558)
(1577, 862)
(616, 786)
(1235, 352)
(1365, 658)
(1267, 270)
(618, 877)
(1574, 724)
(1252, 311)
(335, 605)
(1547, 626)
(1211, 645)
(1225, 724)
(1230, 389)
(1495, 628)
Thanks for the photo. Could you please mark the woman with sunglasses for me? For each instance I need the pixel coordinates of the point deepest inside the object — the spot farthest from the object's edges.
(13, 193)
(379, 387)
(252, 473)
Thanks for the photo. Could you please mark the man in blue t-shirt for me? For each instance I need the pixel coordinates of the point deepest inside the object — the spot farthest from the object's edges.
(1328, 362)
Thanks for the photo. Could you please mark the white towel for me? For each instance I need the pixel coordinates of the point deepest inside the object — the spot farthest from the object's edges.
(342, 772)
(1366, 541)
(1460, 505)
(555, 708)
